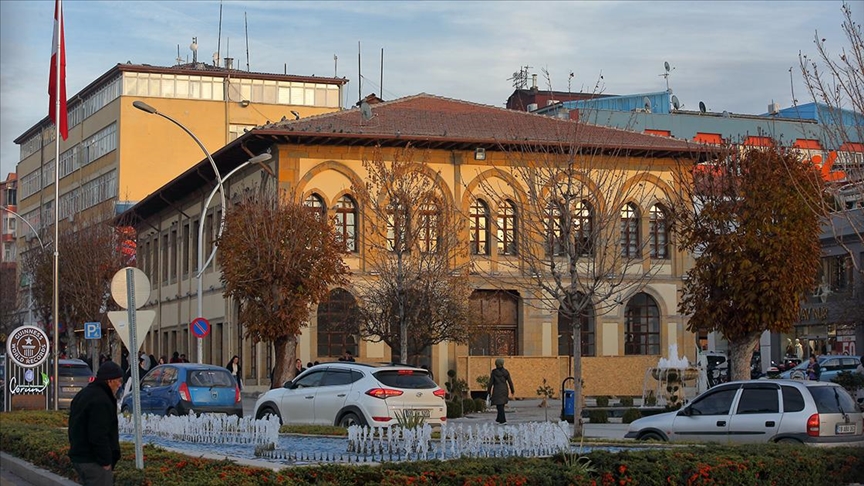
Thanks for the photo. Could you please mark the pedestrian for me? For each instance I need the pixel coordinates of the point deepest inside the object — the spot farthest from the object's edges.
(163, 360)
(813, 368)
(94, 439)
(499, 382)
(309, 365)
(153, 362)
(183, 358)
(346, 356)
(298, 365)
(860, 368)
(175, 358)
(234, 367)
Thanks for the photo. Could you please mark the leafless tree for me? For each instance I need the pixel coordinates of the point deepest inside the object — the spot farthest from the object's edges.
(416, 294)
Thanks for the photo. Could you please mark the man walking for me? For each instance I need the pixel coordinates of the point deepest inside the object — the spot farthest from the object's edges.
(94, 441)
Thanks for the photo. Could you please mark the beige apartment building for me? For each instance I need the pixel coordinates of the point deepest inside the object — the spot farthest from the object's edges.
(466, 144)
(116, 154)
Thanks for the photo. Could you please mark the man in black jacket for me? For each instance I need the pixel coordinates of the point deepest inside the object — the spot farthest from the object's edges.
(93, 436)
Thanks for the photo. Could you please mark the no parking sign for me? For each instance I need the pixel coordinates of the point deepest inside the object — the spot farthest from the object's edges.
(200, 327)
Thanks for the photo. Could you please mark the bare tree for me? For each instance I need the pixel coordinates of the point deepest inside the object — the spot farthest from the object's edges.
(581, 203)
(279, 257)
(747, 216)
(417, 291)
(91, 252)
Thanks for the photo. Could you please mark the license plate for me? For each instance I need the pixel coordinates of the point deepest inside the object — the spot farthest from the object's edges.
(845, 428)
(70, 389)
(418, 413)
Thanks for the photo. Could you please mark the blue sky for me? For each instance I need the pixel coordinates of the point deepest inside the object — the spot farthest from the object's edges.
(734, 56)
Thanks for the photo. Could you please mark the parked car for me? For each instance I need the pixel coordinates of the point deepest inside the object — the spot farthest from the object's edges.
(181, 388)
(72, 376)
(347, 393)
(831, 366)
(789, 411)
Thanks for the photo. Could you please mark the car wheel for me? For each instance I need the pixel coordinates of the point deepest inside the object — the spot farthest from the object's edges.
(172, 411)
(651, 436)
(789, 441)
(350, 419)
(264, 412)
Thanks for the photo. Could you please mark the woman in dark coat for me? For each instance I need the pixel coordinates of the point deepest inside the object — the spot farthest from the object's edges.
(499, 381)
(234, 367)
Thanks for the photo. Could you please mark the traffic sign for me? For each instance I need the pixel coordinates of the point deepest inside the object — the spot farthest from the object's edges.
(92, 330)
(143, 320)
(120, 291)
(200, 327)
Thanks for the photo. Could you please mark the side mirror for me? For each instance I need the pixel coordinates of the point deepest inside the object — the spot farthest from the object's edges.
(288, 385)
(685, 412)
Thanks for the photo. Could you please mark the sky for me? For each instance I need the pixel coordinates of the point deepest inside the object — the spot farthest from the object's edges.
(732, 55)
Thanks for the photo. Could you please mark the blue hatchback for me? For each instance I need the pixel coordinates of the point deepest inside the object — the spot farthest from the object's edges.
(179, 388)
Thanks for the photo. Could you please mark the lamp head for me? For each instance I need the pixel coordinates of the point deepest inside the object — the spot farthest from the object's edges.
(144, 107)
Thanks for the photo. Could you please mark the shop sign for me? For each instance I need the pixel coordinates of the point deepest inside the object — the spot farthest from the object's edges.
(813, 313)
(27, 346)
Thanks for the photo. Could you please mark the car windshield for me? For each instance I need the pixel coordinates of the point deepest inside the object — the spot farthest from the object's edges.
(74, 370)
(411, 379)
(832, 399)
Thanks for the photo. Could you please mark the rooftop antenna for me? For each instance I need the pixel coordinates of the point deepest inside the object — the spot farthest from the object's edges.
(246, 26)
(702, 108)
(665, 75)
(219, 37)
(194, 47)
(381, 83)
(359, 75)
(335, 66)
(179, 59)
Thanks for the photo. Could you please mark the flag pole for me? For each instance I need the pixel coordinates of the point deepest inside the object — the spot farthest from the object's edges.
(57, 129)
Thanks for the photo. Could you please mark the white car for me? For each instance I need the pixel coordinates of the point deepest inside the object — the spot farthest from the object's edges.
(345, 394)
(797, 412)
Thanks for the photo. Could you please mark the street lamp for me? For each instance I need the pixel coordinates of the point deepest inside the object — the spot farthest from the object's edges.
(29, 277)
(258, 159)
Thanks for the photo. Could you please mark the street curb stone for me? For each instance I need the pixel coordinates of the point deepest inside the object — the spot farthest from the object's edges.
(33, 474)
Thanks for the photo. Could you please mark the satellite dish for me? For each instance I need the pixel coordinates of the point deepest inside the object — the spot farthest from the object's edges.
(675, 103)
(666, 66)
(725, 114)
(702, 107)
(365, 111)
(646, 101)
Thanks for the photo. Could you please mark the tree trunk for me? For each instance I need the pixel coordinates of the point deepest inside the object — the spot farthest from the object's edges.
(286, 353)
(577, 381)
(740, 352)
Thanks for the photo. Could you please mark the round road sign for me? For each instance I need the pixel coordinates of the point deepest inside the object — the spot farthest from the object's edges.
(200, 327)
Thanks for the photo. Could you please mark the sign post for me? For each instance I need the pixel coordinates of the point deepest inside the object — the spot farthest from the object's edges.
(128, 287)
(93, 332)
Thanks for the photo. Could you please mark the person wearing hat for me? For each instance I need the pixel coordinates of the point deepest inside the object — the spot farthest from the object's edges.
(94, 440)
(499, 381)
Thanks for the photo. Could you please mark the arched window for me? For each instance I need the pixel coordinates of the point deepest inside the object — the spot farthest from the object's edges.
(583, 227)
(338, 324)
(479, 237)
(587, 330)
(642, 325)
(315, 203)
(496, 334)
(428, 223)
(507, 228)
(554, 229)
(397, 226)
(346, 222)
(629, 231)
(658, 233)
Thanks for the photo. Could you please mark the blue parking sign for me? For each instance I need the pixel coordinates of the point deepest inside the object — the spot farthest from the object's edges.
(92, 330)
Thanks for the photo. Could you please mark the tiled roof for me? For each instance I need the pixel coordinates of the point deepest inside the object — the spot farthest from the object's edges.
(437, 120)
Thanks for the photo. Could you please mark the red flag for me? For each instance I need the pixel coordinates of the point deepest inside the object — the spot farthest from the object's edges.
(56, 79)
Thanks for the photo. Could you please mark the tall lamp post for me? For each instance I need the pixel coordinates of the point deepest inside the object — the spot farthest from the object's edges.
(30, 277)
(258, 159)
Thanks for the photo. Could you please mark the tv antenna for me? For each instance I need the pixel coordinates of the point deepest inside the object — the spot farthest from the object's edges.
(675, 103)
(365, 111)
(665, 75)
(702, 108)
(520, 78)
(646, 102)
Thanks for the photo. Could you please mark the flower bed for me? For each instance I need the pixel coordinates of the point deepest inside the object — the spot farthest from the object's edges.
(41, 440)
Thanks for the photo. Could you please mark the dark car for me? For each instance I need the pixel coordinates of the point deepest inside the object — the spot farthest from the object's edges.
(181, 388)
(72, 376)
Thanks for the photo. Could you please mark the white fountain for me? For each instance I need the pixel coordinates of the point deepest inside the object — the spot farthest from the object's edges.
(669, 380)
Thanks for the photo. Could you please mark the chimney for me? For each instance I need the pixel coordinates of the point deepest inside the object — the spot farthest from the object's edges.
(534, 82)
(229, 63)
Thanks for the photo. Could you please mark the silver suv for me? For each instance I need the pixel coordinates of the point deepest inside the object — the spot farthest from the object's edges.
(788, 411)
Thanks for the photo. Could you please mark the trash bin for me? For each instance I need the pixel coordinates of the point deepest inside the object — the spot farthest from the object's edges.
(568, 401)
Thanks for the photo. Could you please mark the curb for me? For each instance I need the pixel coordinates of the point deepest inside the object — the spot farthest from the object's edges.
(33, 474)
